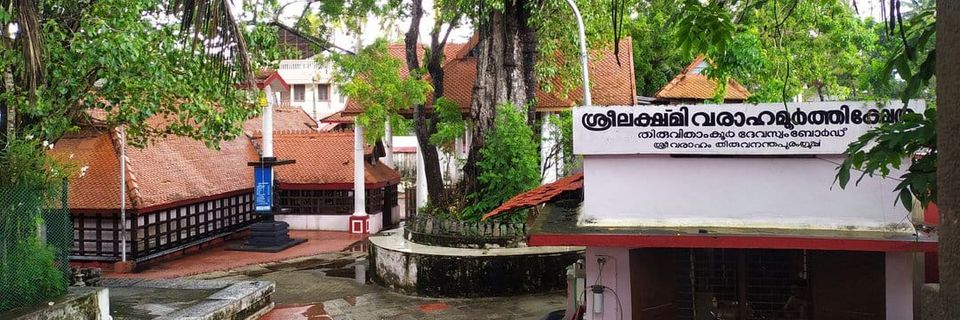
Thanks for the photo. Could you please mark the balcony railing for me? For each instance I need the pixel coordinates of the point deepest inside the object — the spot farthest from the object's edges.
(298, 65)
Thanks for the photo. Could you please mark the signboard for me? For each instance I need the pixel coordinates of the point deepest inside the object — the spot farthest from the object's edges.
(263, 189)
(730, 129)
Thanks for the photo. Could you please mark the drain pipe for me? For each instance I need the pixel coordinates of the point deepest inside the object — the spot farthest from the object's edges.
(587, 100)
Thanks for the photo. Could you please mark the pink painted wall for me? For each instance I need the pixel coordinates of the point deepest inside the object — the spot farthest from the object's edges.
(616, 276)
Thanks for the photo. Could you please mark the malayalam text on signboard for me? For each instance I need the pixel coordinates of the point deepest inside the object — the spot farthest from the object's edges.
(263, 189)
(771, 128)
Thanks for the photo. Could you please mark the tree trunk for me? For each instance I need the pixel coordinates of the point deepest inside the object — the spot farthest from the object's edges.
(505, 61)
(425, 126)
(948, 147)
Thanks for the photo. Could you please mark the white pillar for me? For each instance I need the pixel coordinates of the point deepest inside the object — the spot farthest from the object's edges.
(359, 194)
(421, 180)
(268, 122)
(312, 97)
(899, 285)
(548, 141)
(388, 144)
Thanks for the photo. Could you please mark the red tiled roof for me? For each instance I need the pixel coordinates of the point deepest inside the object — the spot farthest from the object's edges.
(285, 118)
(690, 85)
(538, 195)
(399, 51)
(339, 117)
(170, 170)
(99, 187)
(611, 84)
(325, 161)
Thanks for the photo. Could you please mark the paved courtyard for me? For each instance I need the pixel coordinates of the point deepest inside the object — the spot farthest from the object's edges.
(218, 258)
(322, 287)
(315, 280)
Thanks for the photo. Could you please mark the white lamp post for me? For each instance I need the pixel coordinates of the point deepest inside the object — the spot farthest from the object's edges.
(587, 100)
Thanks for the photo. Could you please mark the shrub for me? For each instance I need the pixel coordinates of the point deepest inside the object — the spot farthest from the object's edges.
(509, 162)
(30, 271)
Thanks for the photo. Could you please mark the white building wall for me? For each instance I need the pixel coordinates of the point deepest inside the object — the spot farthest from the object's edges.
(310, 74)
(900, 285)
(751, 192)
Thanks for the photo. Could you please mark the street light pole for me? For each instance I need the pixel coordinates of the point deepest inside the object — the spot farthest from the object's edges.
(587, 100)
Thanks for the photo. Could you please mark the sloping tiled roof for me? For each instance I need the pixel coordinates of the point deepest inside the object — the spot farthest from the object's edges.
(338, 117)
(170, 170)
(611, 84)
(99, 187)
(285, 118)
(690, 85)
(179, 169)
(325, 161)
(399, 51)
(538, 195)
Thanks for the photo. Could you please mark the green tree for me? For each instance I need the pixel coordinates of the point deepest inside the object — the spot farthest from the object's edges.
(510, 163)
(779, 51)
(155, 67)
(656, 57)
(372, 78)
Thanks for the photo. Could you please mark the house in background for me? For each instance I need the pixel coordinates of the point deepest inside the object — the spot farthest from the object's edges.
(311, 85)
(691, 86)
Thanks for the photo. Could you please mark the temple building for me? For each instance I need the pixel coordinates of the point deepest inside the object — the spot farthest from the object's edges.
(317, 193)
(181, 194)
(728, 220)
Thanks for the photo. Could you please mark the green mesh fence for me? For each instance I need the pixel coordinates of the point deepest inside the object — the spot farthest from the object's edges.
(36, 237)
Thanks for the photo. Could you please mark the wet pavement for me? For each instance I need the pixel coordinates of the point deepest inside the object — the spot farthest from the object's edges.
(314, 280)
(322, 287)
(218, 258)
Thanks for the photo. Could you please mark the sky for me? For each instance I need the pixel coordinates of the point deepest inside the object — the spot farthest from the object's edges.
(375, 28)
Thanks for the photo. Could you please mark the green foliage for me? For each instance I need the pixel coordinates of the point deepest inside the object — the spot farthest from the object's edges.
(656, 58)
(915, 60)
(450, 124)
(781, 50)
(372, 79)
(29, 272)
(127, 58)
(557, 62)
(705, 27)
(915, 138)
(509, 162)
(885, 147)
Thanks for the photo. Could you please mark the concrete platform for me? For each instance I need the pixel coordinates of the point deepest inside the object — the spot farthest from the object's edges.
(434, 271)
(189, 299)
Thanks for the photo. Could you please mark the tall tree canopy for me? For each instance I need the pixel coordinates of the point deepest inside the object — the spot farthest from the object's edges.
(135, 60)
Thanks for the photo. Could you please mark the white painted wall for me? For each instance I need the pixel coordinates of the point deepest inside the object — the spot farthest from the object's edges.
(616, 276)
(752, 192)
(899, 285)
(310, 74)
(327, 222)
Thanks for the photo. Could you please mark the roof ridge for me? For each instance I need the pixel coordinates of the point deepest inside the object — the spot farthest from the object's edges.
(133, 185)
